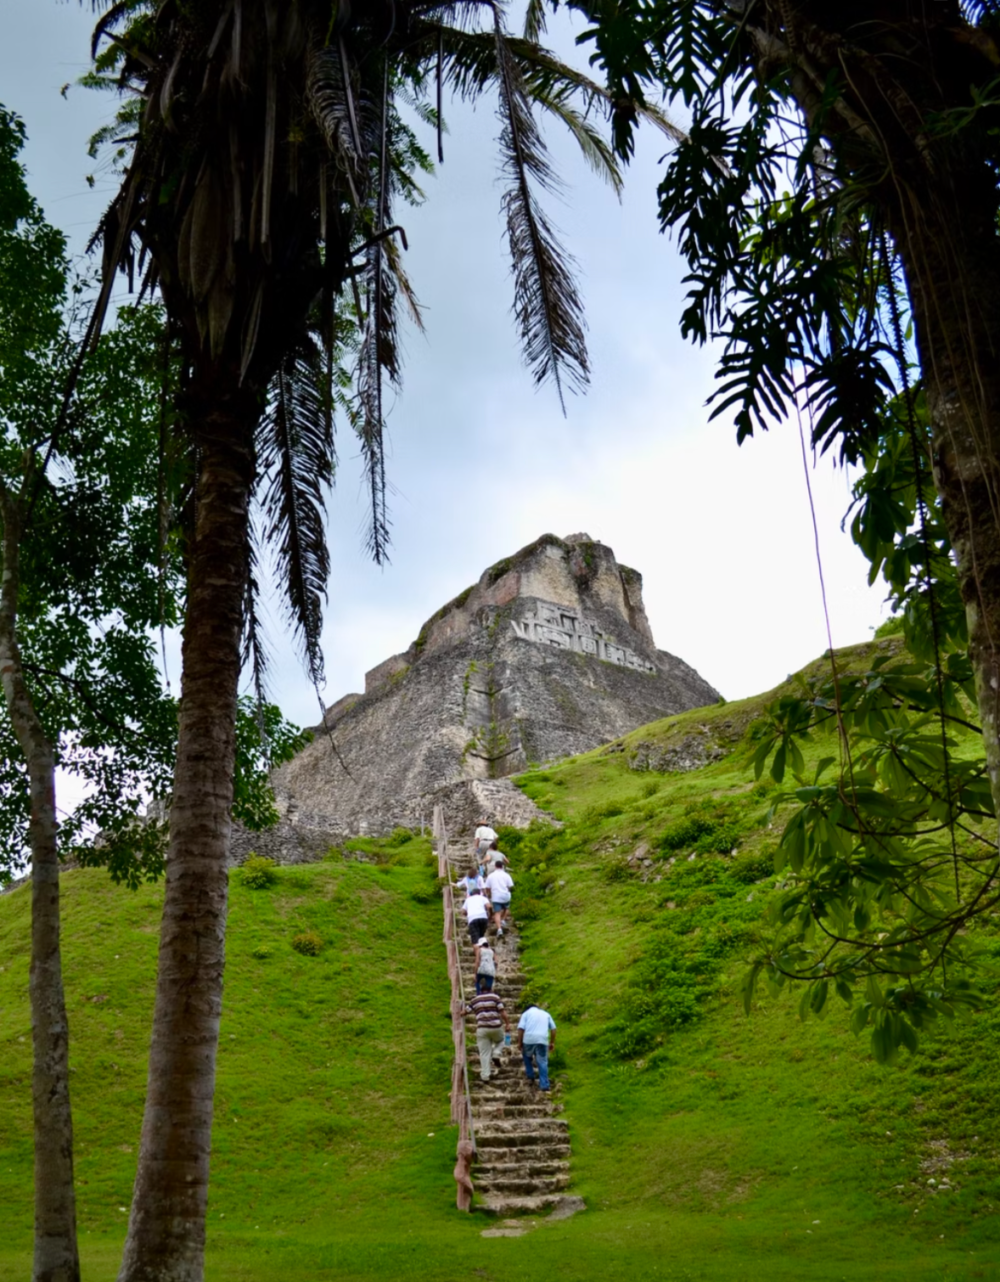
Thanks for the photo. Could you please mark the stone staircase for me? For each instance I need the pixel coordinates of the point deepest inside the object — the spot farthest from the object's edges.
(522, 1142)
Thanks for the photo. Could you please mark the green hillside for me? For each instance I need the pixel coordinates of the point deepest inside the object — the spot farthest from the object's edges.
(707, 1145)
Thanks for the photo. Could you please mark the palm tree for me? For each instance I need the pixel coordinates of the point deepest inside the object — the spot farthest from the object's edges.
(267, 150)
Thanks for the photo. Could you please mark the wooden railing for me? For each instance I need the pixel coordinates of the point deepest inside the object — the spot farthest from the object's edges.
(461, 1098)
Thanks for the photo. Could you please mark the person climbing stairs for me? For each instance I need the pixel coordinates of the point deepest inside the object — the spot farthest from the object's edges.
(522, 1141)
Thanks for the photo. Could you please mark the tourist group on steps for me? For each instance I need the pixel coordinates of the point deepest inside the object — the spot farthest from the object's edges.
(487, 887)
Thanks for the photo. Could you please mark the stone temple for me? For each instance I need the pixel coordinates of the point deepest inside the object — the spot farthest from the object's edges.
(549, 654)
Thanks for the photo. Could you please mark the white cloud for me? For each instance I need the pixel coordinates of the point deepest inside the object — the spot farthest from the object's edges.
(482, 463)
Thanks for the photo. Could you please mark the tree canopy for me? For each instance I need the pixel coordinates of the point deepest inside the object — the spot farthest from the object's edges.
(835, 198)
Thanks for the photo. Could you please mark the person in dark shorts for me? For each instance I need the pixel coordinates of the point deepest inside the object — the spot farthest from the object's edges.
(477, 914)
(486, 966)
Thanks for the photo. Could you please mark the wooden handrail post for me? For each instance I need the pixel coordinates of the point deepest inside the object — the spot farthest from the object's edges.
(461, 1100)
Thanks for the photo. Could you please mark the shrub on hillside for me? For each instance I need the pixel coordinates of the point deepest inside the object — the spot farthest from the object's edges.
(707, 829)
(527, 909)
(618, 870)
(426, 894)
(308, 943)
(755, 867)
(258, 872)
(261, 952)
(610, 810)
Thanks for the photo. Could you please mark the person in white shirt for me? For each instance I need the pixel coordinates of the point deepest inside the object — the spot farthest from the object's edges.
(477, 914)
(471, 881)
(499, 884)
(536, 1036)
(484, 837)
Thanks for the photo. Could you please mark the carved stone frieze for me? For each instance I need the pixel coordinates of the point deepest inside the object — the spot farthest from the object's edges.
(554, 625)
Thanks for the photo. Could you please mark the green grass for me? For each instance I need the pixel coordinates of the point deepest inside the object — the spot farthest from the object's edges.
(706, 1144)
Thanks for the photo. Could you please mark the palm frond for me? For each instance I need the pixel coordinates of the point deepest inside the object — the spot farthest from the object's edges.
(544, 73)
(379, 353)
(296, 455)
(254, 651)
(595, 148)
(546, 302)
(331, 101)
(401, 285)
(535, 21)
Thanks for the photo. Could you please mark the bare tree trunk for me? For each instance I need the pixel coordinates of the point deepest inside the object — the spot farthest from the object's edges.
(166, 1232)
(55, 1255)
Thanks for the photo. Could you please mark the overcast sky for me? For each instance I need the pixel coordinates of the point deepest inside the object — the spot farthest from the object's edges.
(480, 463)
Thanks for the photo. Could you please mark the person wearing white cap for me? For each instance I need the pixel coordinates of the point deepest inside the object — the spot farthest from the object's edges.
(484, 837)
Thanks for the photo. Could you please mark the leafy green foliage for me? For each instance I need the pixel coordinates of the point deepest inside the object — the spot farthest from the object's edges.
(78, 462)
(794, 244)
(264, 739)
(707, 828)
(308, 943)
(257, 872)
(890, 851)
(886, 861)
(710, 918)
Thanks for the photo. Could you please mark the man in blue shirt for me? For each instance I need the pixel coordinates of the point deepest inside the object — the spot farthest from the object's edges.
(536, 1036)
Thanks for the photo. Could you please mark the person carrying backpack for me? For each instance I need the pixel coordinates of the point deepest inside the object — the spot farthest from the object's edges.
(486, 966)
(499, 884)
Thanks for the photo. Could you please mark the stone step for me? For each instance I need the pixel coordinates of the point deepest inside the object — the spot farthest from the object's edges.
(489, 1095)
(558, 1126)
(508, 1086)
(485, 1112)
(489, 1158)
(550, 1144)
(505, 988)
(489, 1183)
(502, 1204)
(525, 1164)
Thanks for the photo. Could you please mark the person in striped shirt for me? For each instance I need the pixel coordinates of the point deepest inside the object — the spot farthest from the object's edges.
(491, 1019)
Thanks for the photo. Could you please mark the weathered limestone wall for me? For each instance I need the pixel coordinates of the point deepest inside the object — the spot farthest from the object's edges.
(549, 654)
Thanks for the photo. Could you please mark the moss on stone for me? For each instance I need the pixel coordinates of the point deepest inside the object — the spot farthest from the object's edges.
(498, 570)
(455, 603)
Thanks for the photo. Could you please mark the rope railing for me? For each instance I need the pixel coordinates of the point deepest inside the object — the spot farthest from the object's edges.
(461, 1097)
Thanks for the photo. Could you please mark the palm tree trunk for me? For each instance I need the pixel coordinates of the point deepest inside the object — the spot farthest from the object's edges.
(946, 234)
(55, 1255)
(166, 1233)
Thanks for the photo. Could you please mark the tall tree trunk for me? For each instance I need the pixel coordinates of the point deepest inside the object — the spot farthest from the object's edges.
(166, 1232)
(946, 233)
(937, 190)
(55, 1255)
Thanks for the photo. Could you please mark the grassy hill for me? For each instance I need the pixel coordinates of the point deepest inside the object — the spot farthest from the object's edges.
(707, 1145)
